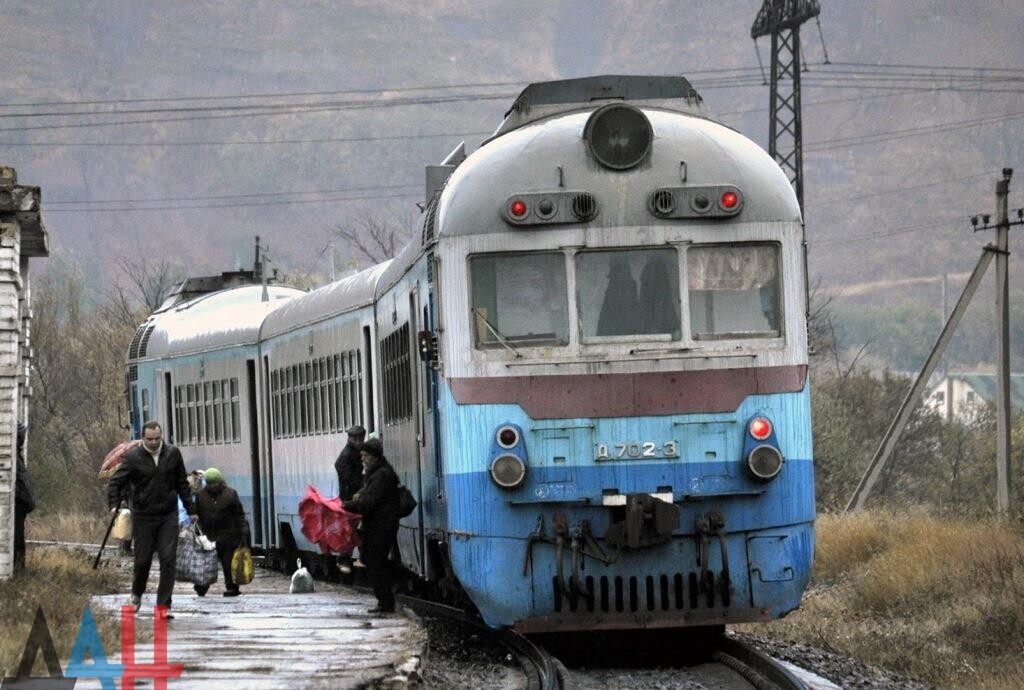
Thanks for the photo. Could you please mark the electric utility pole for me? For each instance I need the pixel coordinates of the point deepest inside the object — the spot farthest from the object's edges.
(1000, 250)
(1004, 474)
(781, 19)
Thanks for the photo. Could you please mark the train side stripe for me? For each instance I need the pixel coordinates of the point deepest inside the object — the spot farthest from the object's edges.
(629, 395)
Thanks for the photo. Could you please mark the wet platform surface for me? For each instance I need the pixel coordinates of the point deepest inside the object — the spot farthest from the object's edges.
(268, 638)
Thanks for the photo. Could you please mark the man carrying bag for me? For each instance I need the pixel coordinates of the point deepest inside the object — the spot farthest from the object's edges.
(155, 474)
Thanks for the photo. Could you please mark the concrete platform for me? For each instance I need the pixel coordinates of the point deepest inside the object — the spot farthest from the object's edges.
(268, 638)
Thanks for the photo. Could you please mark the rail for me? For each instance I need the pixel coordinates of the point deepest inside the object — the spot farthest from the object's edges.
(757, 668)
(543, 671)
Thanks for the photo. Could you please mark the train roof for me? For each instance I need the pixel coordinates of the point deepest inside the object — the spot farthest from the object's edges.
(325, 302)
(220, 319)
(546, 98)
(685, 147)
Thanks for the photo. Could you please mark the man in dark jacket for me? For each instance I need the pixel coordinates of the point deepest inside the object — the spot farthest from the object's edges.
(349, 465)
(377, 502)
(222, 519)
(155, 474)
(24, 502)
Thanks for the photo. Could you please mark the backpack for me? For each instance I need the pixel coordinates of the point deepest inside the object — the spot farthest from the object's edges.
(406, 502)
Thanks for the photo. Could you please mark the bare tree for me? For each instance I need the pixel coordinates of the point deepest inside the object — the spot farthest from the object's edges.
(373, 239)
(152, 281)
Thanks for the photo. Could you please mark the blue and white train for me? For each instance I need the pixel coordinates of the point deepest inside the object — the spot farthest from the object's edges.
(590, 367)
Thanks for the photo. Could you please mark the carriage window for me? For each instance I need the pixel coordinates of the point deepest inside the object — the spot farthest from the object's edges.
(629, 293)
(519, 299)
(734, 291)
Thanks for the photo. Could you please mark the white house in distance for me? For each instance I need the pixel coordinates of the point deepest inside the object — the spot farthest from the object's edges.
(962, 396)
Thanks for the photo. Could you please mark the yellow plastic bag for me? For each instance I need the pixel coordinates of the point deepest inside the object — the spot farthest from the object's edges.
(241, 566)
(122, 528)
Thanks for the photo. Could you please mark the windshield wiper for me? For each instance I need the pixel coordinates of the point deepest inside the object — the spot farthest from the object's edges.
(497, 334)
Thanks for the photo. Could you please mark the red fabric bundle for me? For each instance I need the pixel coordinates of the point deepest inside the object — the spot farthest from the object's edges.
(327, 524)
(115, 457)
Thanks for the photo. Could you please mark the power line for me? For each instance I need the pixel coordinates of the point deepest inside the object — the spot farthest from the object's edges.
(259, 108)
(836, 201)
(299, 110)
(180, 207)
(833, 66)
(251, 142)
(303, 94)
(890, 232)
(960, 68)
(241, 96)
(892, 135)
(229, 196)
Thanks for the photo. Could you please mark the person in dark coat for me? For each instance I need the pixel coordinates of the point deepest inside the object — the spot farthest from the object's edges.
(349, 464)
(349, 467)
(620, 310)
(154, 474)
(377, 502)
(24, 501)
(222, 519)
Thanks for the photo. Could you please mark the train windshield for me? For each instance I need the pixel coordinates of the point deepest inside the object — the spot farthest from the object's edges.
(629, 293)
(519, 299)
(734, 291)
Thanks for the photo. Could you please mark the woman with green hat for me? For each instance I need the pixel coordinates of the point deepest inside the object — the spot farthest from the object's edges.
(222, 519)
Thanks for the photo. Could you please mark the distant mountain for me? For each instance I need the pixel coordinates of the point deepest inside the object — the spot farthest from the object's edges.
(879, 209)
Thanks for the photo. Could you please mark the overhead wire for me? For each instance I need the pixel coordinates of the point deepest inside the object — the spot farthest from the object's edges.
(836, 201)
(354, 105)
(191, 207)
(893, 135)
(890, 232)
(140, 200)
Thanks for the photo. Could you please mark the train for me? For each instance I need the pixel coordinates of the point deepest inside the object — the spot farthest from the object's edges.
(590, 366)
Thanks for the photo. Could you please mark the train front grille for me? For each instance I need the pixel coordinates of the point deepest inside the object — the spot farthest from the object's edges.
(664, 592)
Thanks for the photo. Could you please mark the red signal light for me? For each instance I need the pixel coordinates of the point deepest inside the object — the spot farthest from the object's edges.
(508, 437)
(760, 428)
(729, 200)
(517, 208)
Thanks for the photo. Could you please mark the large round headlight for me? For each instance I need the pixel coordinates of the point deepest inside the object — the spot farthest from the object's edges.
(508, 471)
(618, 135)
(764, 462)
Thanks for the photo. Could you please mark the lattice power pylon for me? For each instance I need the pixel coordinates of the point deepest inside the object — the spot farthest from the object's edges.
(781, 19)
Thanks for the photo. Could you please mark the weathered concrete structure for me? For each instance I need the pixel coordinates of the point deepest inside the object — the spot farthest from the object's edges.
(22, 236)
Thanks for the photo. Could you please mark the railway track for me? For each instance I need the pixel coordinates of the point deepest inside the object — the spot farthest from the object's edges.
(543, 671)
(758, 669)
(747, 665)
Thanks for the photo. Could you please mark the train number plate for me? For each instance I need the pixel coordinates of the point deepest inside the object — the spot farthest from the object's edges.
(636, 449)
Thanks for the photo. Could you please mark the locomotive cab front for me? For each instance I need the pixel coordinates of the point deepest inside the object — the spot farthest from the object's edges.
(624, 402)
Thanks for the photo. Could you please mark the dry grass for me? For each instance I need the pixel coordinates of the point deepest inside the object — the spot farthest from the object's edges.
(61, 582)
(939, 599)
(67, 526)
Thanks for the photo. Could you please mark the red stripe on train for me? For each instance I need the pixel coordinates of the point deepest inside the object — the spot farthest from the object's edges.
(629, 395)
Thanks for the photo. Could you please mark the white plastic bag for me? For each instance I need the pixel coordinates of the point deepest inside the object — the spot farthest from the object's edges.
(302, 581)
(122, 528)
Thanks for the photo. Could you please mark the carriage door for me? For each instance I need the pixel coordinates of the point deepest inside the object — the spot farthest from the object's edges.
(254, 450)
(169, 421)
(271, 423)
(415, 477)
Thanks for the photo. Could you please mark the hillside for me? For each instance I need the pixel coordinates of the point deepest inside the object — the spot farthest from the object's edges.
(368, 75)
